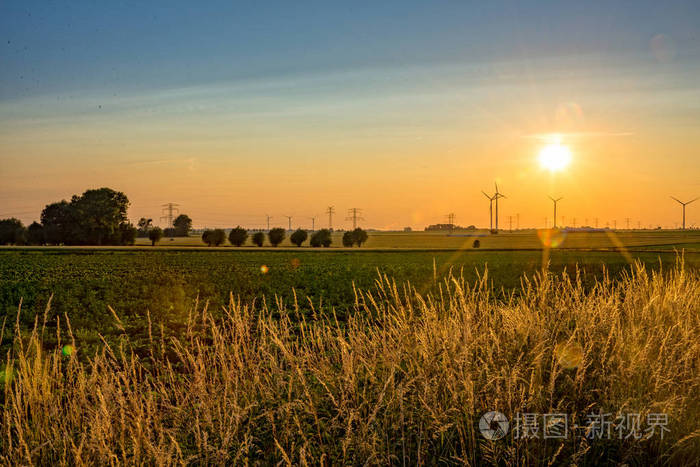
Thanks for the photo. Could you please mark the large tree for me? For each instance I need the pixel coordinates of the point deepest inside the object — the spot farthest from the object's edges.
(182, 225)
(97, 217)
(100, 215)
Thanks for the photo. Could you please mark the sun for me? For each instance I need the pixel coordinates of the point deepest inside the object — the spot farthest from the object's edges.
(554, 157)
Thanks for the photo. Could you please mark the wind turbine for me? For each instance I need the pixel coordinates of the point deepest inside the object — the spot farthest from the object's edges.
(496, 196)
(684, 205)
(555, 210)
(490, 198)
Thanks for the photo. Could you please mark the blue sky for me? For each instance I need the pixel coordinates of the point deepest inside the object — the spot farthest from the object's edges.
(58, 47)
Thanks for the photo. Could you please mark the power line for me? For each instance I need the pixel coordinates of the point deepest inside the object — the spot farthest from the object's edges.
(330, 211)
(354, 214)
(451, 220)
(170, 208)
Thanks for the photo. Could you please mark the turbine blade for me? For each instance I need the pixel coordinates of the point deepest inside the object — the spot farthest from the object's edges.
(677, 199)
(692, 200)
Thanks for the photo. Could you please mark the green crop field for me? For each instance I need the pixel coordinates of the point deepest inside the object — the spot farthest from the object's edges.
(166, 282)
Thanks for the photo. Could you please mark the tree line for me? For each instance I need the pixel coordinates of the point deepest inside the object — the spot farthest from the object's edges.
(238, 237)
(98, 217)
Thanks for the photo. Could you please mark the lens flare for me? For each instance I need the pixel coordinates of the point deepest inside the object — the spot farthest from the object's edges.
(569, 354)
(6, 375)
(67, 350)
(264, 269)
(551, 238)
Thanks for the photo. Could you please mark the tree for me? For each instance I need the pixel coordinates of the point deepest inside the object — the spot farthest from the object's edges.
(182, 225)
(60, 225)
(12, 232)
(154, 235)
(258, 238)
(321, 238)
(276, 236)
(144, 225)
(97, 217)
(35, 234)
(360, 236)
(299, 237)
(348, 239)
(214, 237)
(100, 213)
(238, 236)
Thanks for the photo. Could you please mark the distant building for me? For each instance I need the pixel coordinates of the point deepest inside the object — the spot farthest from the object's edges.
(407, 229)
(447, 228)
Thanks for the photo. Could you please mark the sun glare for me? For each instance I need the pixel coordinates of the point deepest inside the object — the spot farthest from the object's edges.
(554, 157)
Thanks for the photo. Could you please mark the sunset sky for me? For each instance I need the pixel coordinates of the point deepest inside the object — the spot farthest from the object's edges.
(406, 109)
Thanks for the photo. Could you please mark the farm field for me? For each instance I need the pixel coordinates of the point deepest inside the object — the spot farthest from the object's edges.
(166, 282)
(527, 239)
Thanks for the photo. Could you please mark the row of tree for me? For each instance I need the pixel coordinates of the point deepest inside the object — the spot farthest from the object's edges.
(97, 217)
(239, 236)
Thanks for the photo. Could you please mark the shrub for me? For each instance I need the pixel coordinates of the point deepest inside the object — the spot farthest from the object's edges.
(360, 236)
(258, 238)
(321, 238)
(154, 235)
(214, 237)
(348, 239)
(477, 243)
(299, 237)
(276, 236)
(238, 236)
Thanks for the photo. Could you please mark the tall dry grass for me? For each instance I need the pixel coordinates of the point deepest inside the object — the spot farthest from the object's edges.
(404, 381)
